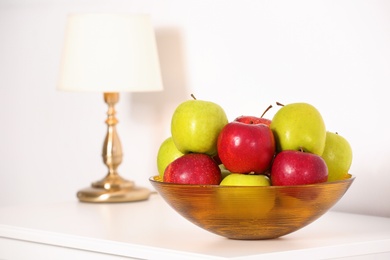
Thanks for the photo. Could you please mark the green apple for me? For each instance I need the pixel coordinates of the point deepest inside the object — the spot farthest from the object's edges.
(299, 126)
(337, 156)
(225, 172)
(239, 188)
(238, 179)
(166, 154)
(195, 126)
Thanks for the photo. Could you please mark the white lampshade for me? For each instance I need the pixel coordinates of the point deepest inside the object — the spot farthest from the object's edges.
(109, 53)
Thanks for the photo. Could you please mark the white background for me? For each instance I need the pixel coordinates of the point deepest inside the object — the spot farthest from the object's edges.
(241, 54)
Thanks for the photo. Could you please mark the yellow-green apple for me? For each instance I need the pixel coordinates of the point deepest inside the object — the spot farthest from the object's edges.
(166, 154)
(263, 197)
(337, 155)
(292, 167)
(224, 172)
(195, 126)
(238, 179)
(299, 126)
(193, 168)
(245, 148)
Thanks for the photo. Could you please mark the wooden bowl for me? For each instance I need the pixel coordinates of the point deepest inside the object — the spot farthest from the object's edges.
(248, 212)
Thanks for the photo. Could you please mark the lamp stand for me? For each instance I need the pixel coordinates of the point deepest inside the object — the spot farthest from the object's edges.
(112, 188)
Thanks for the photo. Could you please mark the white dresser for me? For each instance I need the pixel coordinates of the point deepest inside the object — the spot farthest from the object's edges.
(152, 230)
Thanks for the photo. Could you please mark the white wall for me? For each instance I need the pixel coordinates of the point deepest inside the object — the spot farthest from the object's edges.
(242, 54)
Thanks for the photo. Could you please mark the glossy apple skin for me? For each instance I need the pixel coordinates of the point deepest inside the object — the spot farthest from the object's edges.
(253, 120)
(166, 154)
(292, 167)
(337, 155)
(195, 126)
(245, 148)
(193, 168)
(236, 179)
(299, 126)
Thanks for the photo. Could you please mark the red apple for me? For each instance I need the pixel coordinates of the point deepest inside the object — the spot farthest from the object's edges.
(193, 168)
(254, 119)
(292, 167)
(245, 148)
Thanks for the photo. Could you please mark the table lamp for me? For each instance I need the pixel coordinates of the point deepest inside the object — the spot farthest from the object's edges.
(110, 53)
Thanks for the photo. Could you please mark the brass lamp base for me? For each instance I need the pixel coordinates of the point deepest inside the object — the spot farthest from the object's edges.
(93, 194)
(112, 188)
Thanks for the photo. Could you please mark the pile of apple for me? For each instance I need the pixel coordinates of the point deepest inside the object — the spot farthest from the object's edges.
(294, 148)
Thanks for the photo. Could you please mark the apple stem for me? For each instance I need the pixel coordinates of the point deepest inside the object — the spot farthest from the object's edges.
(301, 148)
(192, 95)
(279, 104)
(268, 108)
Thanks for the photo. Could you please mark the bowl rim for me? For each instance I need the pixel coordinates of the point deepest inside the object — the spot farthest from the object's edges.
(349, 180)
